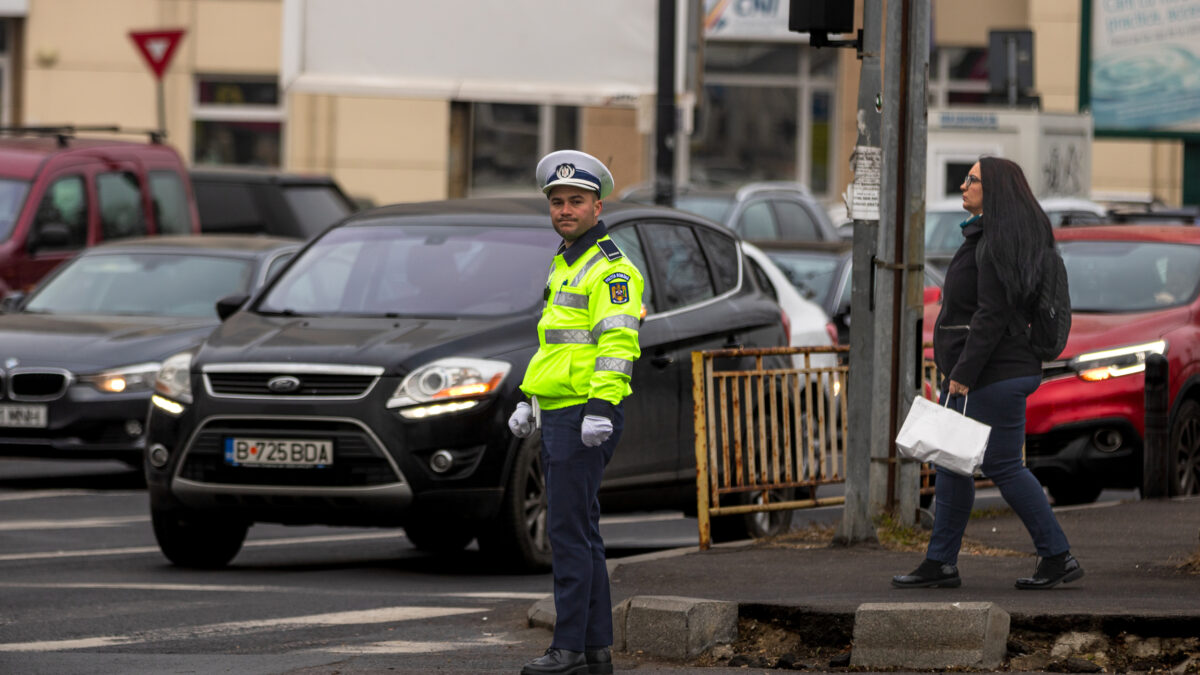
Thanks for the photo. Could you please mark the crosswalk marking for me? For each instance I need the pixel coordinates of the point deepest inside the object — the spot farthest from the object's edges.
(349, 618)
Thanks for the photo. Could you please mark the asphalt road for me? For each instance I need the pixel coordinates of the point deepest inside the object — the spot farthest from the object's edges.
(84, 589)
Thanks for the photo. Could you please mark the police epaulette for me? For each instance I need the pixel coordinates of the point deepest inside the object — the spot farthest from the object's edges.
(609, 248)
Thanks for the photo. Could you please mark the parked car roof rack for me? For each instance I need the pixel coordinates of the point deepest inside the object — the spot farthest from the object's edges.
(65, 132)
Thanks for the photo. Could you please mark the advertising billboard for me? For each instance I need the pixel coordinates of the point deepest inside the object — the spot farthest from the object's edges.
(1143, 76)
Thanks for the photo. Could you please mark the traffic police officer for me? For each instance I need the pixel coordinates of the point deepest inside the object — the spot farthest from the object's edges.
(587, 343)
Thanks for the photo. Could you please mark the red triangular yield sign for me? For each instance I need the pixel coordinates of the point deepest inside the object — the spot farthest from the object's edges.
(157, 47)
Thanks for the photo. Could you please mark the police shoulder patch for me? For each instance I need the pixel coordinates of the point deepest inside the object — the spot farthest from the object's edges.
(610, 250)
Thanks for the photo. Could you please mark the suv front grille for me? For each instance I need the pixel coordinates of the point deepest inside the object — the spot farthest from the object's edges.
(38, 385)
(311, 384)
(358, 460)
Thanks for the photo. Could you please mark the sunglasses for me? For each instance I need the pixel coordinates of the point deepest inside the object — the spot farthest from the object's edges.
(972, 178)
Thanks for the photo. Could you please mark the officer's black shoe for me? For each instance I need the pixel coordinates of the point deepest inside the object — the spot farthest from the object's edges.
(930, 574)
(1057, 569)
(557, 662)
(599, 661)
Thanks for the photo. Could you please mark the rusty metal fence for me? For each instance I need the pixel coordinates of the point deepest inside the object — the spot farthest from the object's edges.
(776, 430)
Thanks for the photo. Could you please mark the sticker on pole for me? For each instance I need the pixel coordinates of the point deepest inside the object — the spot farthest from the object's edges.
(157, 47)
(862, 196)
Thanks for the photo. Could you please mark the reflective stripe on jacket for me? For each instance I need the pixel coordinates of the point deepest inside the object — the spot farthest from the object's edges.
(588, 333)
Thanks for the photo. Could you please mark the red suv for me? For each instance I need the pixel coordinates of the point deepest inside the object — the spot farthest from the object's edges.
(1133, 293)
(60, 193)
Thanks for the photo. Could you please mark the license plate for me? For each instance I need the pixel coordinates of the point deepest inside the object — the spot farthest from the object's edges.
(281, 452)
(25, 416)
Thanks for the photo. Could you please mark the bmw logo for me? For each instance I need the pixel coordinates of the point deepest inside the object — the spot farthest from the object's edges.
(285, 384)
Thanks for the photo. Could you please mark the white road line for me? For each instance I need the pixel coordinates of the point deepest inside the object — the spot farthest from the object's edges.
(363, 617)
(494, 595)
(653, 518)
(412, 647)
(78, 523)
(137, 550)
(159, 587)
(45, 494)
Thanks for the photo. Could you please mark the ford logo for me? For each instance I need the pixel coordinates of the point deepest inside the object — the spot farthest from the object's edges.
(285, 384)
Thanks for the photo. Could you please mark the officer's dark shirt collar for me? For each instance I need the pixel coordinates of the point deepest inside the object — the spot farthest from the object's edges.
(582, 244)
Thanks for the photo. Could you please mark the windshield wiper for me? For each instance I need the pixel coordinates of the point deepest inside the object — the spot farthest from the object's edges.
(282, 312)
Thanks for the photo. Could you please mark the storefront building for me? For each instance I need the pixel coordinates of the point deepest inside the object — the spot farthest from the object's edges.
(767, 105)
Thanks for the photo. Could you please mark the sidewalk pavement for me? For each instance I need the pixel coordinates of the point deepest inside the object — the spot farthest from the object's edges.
(1132, 554)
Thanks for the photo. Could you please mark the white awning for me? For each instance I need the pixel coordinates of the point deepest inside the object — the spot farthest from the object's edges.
(14, 7)
(543, 51)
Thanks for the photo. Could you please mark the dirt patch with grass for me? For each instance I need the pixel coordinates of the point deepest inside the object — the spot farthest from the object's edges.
(770, 637)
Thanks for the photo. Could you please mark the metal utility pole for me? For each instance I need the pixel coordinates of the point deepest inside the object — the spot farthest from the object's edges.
(664, 136)
(862, 201)
(898, 267)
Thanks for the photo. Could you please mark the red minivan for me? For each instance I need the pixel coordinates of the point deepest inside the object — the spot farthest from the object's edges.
(60, 193)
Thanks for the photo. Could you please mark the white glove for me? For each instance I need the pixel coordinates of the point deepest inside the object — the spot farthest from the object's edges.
(595, 430)
(521, 422)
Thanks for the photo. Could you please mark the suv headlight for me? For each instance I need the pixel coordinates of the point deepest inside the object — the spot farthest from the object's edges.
(447, 385)
(128, 379)
(174, 383)
(1108, 363)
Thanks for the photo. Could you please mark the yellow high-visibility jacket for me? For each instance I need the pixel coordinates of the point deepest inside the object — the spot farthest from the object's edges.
(588, 333)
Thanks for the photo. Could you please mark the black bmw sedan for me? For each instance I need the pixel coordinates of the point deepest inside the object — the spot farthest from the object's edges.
(79, 355)
(371, 382)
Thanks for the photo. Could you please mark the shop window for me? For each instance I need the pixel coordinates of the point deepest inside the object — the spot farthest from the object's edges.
(507, 139)
(958, 75)
(238, 121)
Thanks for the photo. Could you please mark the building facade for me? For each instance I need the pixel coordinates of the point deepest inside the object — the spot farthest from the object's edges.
(767, 105)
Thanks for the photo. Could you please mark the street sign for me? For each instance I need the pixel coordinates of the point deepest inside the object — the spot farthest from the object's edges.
(157, 47)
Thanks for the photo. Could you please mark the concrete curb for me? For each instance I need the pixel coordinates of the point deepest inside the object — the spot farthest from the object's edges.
(662, 626)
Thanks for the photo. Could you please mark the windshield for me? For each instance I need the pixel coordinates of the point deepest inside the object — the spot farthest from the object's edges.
(316, 207)
(1123, 276)
(714, 208)
(423, 270)
(143, 284)
(12, 197)
(812, 275)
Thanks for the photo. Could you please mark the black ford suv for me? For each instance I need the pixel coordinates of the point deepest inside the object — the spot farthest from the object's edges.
(371, 382)
(264, 201)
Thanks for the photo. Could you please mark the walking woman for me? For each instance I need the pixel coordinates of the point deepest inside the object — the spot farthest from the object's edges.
(990, 369)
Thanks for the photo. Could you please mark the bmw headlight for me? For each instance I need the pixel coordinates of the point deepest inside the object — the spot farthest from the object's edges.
(174, 383)
(1108, 363)
(127, 379)
(447, 385)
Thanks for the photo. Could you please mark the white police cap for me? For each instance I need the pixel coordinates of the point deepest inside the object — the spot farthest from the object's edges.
(572, 167)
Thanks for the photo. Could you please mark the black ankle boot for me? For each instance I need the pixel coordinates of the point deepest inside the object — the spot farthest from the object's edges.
(557, 662)
(930, 574)
(599, 660)
(1062, 568)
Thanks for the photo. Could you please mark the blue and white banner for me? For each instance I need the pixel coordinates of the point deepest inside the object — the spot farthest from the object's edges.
(1145, 68)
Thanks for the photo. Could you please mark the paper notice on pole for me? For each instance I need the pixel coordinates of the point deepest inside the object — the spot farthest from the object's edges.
(862, 196)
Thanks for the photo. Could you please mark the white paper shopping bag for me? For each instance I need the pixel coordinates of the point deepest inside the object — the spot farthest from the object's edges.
(943, 436)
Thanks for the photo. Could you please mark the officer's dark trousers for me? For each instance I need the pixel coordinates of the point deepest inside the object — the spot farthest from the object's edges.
(573, 472)
(1002, 406)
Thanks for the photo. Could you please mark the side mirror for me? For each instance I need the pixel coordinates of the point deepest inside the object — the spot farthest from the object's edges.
(49, 235)
(229, 304)
(933, 295)
(12, 301)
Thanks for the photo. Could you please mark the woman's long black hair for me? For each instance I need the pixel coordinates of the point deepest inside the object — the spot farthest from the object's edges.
(1016, 231)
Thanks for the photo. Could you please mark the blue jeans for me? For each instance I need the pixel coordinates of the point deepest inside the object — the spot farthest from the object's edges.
(1002, 406)
(573, 471)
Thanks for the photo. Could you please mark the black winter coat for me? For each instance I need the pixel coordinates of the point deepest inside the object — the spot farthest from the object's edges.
(975, 341)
